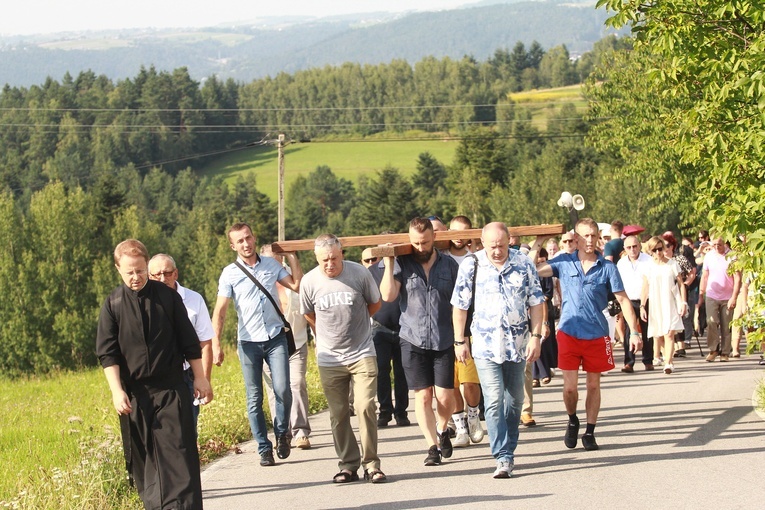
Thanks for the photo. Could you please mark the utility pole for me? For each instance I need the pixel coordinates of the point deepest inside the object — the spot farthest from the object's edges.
(280, 152)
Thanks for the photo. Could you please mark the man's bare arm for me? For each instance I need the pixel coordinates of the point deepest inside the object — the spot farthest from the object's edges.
(292, 281)
(389, 286)
(218, 319)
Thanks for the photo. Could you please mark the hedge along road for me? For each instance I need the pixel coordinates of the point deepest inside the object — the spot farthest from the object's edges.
(686, 440)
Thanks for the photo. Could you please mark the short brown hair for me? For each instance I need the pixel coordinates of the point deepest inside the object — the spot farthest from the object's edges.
(588, 222)
(421, 225)
(236, 227)
(464, 220)
(131, 248)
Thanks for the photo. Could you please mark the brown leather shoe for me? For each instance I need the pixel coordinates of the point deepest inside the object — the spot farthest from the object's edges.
(627, 369)
(527, 420)
(648, 368)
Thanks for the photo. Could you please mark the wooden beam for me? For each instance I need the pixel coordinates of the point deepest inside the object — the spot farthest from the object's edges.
(403, 239)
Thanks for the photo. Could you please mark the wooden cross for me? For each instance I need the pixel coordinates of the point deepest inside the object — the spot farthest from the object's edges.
(398, 244)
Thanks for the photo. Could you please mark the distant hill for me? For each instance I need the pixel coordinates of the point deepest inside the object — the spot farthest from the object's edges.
(268, 46)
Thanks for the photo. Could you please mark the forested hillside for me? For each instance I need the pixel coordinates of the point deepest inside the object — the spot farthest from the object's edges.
(248, 52)
(87, 162)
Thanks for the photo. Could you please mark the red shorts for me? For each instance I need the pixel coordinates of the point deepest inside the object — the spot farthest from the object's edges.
(593, 355)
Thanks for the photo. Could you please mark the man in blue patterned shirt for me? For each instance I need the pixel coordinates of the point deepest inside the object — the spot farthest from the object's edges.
(508, 306)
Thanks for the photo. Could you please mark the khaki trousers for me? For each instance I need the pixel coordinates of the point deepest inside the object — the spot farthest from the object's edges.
(337, 383)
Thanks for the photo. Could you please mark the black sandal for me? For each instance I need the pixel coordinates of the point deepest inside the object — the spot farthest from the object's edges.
(346, 476)
(375, 476)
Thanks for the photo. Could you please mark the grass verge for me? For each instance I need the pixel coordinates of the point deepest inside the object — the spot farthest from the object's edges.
(60, 444)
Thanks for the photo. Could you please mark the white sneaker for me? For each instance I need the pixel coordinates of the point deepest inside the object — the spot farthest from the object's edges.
(461, 440)
(504, 469)
(669, 368)
(474, 426)
(461, 437)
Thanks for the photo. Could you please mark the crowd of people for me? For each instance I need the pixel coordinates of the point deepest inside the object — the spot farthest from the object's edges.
(470, 328)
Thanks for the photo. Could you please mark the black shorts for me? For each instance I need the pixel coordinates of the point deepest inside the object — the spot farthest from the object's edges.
(425, 368)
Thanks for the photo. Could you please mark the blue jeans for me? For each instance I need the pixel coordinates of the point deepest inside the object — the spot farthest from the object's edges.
(502, 387)
(251, 358)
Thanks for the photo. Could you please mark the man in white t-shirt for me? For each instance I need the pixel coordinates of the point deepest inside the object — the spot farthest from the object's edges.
(338, 298)
(632, 268)
(162, 268)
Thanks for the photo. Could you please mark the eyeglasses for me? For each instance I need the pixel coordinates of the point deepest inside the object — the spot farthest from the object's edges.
(371, 261)
(163, 273)
(567, 240)
(658, 249)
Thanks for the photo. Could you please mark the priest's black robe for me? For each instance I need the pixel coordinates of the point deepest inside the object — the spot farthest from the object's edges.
(148, 333)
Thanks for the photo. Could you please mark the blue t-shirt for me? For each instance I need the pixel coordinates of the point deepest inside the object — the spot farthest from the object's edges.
(585, 296)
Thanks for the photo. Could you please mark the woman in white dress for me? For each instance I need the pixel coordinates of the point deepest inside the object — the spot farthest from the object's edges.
(663, 288)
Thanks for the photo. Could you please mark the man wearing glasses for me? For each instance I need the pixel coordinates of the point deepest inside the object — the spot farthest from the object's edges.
(632, 268)
(586, 279)
(143, 336)
(162, 268)
(567, 243)
(385, 329)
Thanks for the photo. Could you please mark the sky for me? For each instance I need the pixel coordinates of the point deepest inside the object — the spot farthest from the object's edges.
(24, 17)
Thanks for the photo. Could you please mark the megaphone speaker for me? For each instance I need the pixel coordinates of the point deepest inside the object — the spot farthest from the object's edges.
(578, 202)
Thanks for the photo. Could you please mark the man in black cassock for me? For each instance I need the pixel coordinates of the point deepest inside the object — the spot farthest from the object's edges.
(143, 335)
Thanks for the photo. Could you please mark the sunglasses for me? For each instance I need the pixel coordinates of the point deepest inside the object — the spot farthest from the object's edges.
(371, 261)
(567, 240)
(658, 249)
(163, 273)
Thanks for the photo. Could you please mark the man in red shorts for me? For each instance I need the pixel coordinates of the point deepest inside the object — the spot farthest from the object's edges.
(586, 279)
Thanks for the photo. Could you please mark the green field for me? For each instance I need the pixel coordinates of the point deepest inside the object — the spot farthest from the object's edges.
(544, 102)
(346, 159)
(60, 442)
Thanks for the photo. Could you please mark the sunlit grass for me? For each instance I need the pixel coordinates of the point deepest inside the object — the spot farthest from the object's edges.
(347, 159)
(60, 444)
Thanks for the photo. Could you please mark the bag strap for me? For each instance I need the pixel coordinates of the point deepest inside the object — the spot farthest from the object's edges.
(264, 291)
(472, 285)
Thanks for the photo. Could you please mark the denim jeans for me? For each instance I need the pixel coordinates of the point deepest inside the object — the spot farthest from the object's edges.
(251, 358)
(502, 386)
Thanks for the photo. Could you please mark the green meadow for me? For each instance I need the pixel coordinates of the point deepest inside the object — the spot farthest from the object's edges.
(348, 159)
(543, 103)
(60, 443)
(354, 157)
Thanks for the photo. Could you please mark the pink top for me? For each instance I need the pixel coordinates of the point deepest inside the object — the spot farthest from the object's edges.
(719, 282)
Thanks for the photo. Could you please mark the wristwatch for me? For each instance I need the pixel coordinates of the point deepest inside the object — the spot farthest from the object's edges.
(459, 343)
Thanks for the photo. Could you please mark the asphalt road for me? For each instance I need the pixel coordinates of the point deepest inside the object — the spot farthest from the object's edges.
(686, 440)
